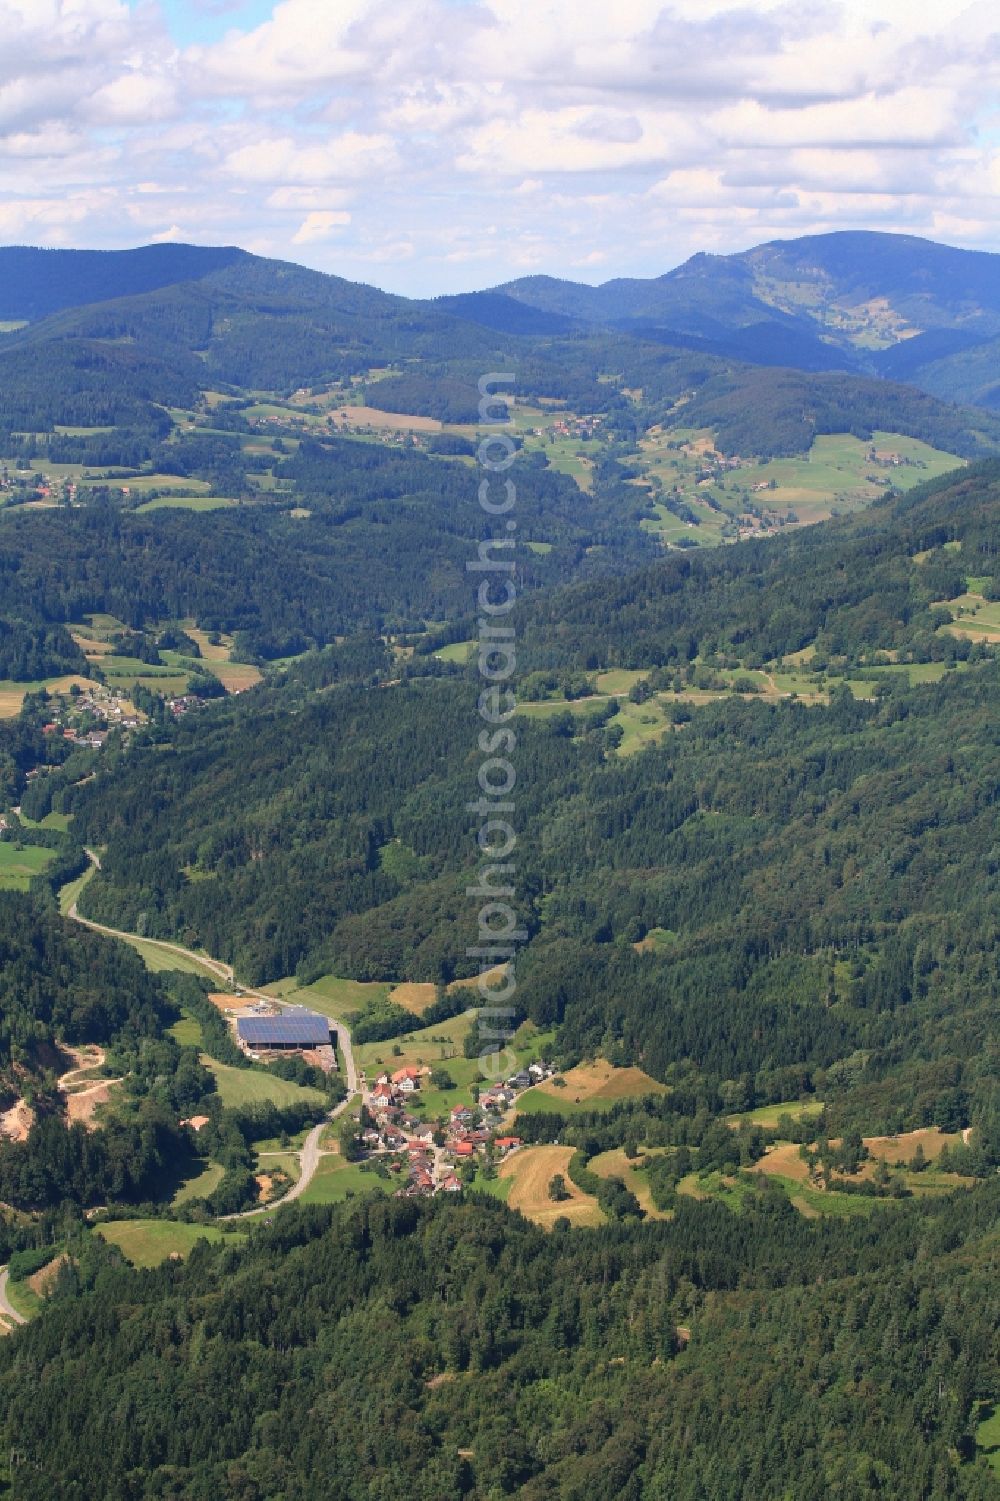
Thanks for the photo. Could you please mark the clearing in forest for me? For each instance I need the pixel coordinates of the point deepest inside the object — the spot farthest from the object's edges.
(532, 1170)
(589, 1086)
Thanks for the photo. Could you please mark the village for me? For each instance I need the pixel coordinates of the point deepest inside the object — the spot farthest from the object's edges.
(387, 1131)
(86, 716)
(440, 1157)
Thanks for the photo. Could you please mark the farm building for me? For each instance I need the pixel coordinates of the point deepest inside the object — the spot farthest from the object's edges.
(291, 1031)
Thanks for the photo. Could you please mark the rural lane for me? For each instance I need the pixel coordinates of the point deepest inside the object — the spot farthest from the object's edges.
(6, 1306)
(309, 1154)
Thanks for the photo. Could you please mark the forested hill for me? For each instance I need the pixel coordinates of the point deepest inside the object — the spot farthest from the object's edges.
(34, 282)
(851, 585)
(769, 841)
(452, 1350)
(383, 544)
(113, 346)
(858, 301)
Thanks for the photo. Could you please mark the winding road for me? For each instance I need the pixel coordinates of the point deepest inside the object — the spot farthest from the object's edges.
(309, 1153)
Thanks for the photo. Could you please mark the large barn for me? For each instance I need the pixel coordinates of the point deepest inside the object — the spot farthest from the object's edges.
(291, 1031)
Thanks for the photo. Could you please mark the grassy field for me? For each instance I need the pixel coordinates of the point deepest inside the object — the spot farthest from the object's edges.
(769, 1115)
(58, 821)
(617, 681)
(835, 475)
(430, 1045)
(330, 996)
(187, 503)
(531, 1170)
(18, 867)
(337, 1179)
(249, 1086)
(24, 1298)
(988, 1433)
(975, 617)
(590, 1086)
(456, 651)
(146, 1243)
(235, 677)
(158, 959)
(783, 1164)
(186, 1032)
(640, 724)
(201, 1185)
(69, 893)
(413, 996)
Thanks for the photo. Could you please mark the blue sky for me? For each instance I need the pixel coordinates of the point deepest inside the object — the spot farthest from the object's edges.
(201, 21)
(447, 144)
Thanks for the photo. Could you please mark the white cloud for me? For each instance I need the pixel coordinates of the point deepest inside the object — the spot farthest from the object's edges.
(500, 135)
(286, 159)
(320, 225)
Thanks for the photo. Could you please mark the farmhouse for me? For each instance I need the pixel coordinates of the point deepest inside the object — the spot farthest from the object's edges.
(288, 1032)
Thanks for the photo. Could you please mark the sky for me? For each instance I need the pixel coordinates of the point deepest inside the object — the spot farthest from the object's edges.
(441, 145)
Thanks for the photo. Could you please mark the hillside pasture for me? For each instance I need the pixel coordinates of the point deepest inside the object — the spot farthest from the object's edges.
(252, 1086)
(589, 1086)
(19, 867)
(531, 1170)
(614, 1164)
(145, 1243)
(336, 1179)
(12, 694)
(331, 996)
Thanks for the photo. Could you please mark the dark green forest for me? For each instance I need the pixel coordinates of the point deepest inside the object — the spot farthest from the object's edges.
(454, 1350)
(824, 876)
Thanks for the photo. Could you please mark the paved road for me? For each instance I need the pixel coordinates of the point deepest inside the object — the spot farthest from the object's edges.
(309, 1157)
(6, 1306)
(310, 1153)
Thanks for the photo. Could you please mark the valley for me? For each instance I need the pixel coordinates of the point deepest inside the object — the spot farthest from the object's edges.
(739, 1140)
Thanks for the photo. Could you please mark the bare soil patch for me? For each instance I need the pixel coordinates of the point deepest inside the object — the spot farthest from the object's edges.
(16, 1122)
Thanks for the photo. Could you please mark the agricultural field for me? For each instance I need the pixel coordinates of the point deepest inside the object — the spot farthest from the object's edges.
(12, 694)
(186, 1032)
(770, 1115)
(20, 865)
(589, 1086)
(457, 651)
(531, 1170)
(58, 821)
(974, 617)
(250, 1086)
(413, 996)
(145, 1243)
(836, 475)
(365, 416)
(784, 1165)
(442, 1041)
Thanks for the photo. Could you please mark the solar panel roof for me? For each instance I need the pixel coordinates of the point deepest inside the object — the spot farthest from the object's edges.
(293, 1028)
